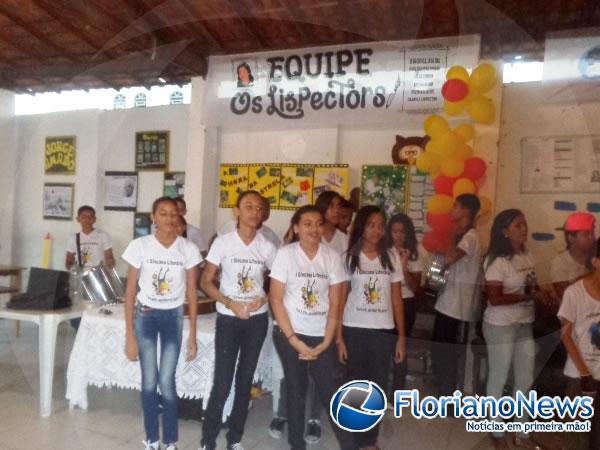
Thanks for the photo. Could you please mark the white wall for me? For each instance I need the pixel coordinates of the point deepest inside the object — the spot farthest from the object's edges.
(105, 141)
(532, 109)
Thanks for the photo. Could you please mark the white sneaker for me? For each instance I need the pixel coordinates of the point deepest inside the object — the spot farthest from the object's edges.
(235, 446)
(171, 447)
(151, 445)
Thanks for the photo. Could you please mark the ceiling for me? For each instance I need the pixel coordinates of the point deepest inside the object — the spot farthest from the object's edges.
(72, 44)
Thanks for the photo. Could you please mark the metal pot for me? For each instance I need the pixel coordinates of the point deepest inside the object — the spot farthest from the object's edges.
(101, 285)
(436, 275)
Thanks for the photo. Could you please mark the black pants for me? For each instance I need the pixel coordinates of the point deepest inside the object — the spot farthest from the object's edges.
(323, 370)
(446, 351)
(582, 441)
(314, 402)
(369, 355)
(410, 316)
(233, 336)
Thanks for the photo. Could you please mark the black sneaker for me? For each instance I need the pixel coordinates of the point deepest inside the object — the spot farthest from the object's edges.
(276, 427)
(313, 432)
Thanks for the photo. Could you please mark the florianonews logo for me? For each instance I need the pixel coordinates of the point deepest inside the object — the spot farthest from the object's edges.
(358, 405)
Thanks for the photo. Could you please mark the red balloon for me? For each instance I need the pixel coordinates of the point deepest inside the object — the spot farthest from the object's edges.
(443, 185)
(433, 242)
(455, 90)
(441, 224)
(474, 168)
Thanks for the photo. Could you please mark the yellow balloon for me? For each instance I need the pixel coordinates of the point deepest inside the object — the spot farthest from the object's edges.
(435, 125)
(463, 186)
(464, 151)
(486, 205)
(464, 132)
(452, 167)
(423, 162)
(436, 163)
(440, 204)
(482, 110)
(482, 79)
(433, 146)
(454, 108)
(448, 143)
(457, 73)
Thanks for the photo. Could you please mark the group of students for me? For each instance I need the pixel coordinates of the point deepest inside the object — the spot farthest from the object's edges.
(350, 299)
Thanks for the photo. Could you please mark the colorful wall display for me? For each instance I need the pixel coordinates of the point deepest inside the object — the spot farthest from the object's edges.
(286, 186)
(59, 155)
(152, 150)
(174, 184)
(385, 186)
(374, 82)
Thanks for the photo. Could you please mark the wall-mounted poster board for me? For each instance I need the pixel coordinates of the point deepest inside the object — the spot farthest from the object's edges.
(286, 186)
(142, 225)
(152, 150)
(174, 184)
(560, 164)
(59, 155)
(120, 191)
(397, 189)
(58, 201)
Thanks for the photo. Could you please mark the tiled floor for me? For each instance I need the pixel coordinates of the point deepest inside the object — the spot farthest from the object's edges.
(113, 420)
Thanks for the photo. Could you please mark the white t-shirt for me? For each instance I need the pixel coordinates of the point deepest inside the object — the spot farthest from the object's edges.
(162, 276)
(414, 266)
(307, 282)
(193, 234)
(579, 308)
(460, 297)
(339, 242)
(565, 268)
(514, 273)
(242, 267)
(92, 246)
(369, 303)
(264, 230)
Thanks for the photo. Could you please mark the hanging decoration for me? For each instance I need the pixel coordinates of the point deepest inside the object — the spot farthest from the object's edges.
(449, 157)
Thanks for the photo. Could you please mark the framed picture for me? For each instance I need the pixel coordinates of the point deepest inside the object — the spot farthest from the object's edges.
(142, 225)
(385, 186)
(58, 201)
(59, 155)
(152, 150)
(120, 191)
(174, 184)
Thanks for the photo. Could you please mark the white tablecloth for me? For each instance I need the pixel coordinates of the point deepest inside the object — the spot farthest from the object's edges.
(98, 359)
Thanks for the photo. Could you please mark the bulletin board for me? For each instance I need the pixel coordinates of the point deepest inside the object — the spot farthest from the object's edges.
(285, 186)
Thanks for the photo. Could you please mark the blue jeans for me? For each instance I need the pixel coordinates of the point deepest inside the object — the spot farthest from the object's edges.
(509, 345)
(150, 325)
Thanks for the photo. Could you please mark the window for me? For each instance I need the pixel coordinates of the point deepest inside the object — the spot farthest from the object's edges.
(119, 102)
(176, 98)
(140, 100)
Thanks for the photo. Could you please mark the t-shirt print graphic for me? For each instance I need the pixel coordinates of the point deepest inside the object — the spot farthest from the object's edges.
(245, 283)
(86, 255)
(371, 291)
(160, 282)
(310, 297)
(595, 335)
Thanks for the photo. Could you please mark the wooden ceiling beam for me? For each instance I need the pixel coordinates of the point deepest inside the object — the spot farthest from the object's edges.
(199, 26)
(244, 14)
(6, 12)
(299, 18)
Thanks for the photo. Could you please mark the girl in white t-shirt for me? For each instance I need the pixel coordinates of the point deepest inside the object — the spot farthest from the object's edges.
(580, 318)
(511, 289)
(402, 240)
(306, 287)
(163, 265)
(244, 258)
(329, 203)
(373, 310)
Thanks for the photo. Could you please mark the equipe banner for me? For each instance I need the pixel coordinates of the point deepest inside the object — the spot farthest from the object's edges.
(358, 83)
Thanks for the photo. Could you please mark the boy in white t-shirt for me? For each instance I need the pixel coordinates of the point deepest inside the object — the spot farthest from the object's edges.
(580, 317)
(574, 262)
(95, 246)
(457, 304)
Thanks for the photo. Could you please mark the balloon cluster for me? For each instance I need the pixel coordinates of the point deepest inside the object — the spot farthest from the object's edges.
(462, 93)
(449, 160)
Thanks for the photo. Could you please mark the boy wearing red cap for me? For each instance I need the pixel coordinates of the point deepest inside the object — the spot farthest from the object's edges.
(574, 262)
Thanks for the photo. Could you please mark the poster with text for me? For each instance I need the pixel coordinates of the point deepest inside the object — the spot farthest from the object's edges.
(265, 180)
(295, 189)
(59, 155)
(233, 180)
(331, 178)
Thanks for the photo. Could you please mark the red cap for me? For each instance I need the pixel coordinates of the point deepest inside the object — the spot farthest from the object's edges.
(580, 221)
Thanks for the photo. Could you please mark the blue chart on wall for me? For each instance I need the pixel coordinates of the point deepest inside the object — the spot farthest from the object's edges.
(565, 206)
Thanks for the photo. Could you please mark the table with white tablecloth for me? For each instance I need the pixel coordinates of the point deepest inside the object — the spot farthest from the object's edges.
(98, 359)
